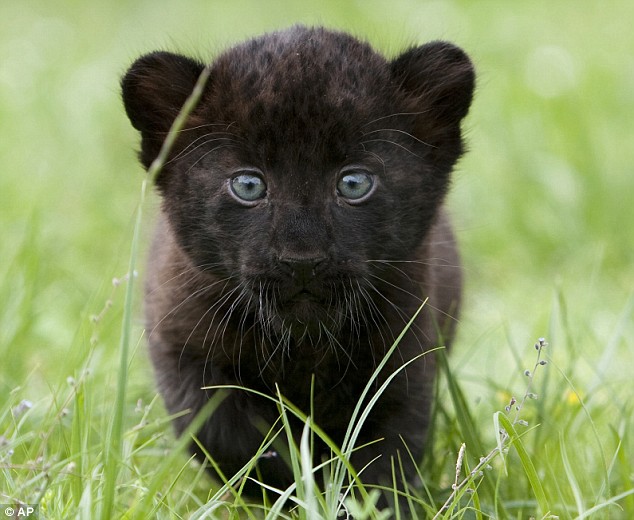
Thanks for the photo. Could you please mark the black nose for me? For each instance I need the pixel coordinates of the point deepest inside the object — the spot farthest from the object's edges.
(303, 270)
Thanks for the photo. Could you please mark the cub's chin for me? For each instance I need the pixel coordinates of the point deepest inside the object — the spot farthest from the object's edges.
(307, 319)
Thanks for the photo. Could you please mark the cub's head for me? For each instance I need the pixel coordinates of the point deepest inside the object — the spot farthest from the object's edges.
(309, 160)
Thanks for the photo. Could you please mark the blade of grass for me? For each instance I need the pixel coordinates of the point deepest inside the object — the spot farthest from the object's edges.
(296, 465)
(307, 476)
(572, 481)
(354, 426)
(611, 502)
(465, 420)
(143, 509)
(340, 457)
(77, 443)
(115, 433)
(527, 464)
(475, 497)
(113, 451)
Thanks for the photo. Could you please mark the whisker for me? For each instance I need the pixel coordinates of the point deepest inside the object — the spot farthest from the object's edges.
(398, 287)
(394, 143)
(197, 293)
(192, 147)
(398, 131)
(210, 152)
(395, 114)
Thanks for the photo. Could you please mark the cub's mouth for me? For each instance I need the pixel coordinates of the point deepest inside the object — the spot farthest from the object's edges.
(304, 295)
(302, 300)
(300, 313)
(304, 306)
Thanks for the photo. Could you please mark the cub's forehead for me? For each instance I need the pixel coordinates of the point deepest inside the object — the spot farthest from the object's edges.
(315, 59)
(311, 87)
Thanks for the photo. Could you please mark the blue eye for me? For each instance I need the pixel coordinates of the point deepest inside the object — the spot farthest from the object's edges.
(354, 185)
(248, 187)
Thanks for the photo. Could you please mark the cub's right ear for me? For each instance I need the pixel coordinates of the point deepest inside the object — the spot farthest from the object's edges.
(439, 80)
(154, 90)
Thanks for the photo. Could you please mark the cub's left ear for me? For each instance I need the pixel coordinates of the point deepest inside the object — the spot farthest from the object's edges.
(154, 90)
(439, 80)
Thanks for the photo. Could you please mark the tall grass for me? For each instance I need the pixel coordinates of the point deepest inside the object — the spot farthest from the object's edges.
(498, 472)
(54, 454)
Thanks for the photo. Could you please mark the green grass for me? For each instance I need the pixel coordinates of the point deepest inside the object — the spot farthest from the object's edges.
(543, 208)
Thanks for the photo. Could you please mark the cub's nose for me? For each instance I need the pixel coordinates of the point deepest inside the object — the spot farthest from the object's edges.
(302, 270)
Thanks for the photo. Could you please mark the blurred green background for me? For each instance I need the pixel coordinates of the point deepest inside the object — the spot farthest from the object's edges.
(543, 201)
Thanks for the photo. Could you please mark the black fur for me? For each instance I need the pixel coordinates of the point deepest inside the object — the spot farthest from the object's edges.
(303, 281)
